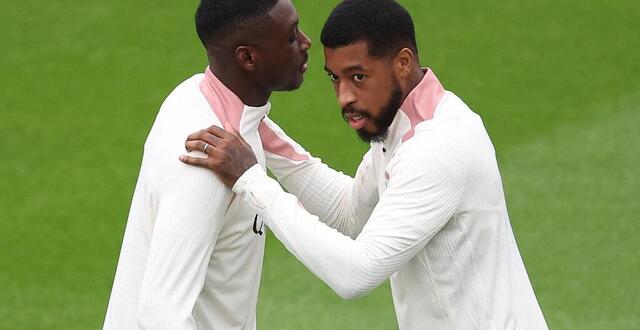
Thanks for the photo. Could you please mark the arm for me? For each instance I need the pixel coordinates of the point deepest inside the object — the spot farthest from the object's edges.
(191, 208)
(424, 190)
(340, 201)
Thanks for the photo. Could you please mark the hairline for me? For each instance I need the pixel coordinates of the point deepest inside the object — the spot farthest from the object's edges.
(236, 26)
(386, 55)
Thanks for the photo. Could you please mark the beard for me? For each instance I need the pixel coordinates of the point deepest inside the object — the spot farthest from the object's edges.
(381, 122)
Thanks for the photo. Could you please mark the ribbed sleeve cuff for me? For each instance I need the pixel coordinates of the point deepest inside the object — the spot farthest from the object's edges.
(247, 179)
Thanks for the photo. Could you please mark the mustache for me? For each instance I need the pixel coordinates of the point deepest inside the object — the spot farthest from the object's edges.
(351, 110)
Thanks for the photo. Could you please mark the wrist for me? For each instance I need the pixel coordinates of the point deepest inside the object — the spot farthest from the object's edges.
(247, 178)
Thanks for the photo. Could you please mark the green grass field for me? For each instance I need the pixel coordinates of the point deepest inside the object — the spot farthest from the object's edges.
(556, 82)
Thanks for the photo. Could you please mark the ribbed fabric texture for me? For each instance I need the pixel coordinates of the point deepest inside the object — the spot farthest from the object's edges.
(190, 258)
(427, 212)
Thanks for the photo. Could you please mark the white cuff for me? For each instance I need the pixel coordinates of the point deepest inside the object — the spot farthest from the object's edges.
(249, 182)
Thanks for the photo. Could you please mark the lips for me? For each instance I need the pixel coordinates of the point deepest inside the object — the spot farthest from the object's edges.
(356, 120)
(304, 66)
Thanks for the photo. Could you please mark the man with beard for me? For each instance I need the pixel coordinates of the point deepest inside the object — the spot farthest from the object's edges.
(192, 253)
(426, 207)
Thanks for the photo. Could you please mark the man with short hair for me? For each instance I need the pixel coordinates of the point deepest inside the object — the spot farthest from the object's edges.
(192, 254)
(426, 207)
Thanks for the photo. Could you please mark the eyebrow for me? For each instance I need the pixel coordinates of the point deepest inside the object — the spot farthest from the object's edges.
(356, 67)
(294, 24)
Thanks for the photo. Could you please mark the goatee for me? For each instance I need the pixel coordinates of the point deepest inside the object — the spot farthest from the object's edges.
(385, 119)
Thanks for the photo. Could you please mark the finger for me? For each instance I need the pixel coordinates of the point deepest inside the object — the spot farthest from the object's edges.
(191, 145)
(219, 132)
(205, 136)
(195, 161)
(197, 135)
(199, 146)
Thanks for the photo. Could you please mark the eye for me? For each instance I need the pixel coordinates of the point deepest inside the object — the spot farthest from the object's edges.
(333, 77)
(296, 34)
(359, 77)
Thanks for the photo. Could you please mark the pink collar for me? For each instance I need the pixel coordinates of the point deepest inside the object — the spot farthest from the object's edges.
(229, 108)
(420, 105)
(226, 104)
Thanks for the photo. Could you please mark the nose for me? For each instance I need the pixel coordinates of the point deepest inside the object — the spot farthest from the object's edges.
(305, 43)
(345, 95)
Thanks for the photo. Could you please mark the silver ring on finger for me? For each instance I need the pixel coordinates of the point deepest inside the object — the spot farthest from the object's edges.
(206, 145)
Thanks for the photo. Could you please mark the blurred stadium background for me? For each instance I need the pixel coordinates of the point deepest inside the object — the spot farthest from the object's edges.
(556, 82)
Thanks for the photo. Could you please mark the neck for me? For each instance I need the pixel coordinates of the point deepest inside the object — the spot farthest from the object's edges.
(413, 80)
(239, 83)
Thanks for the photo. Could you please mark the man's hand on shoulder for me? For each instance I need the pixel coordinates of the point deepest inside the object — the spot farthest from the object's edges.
(228, 155)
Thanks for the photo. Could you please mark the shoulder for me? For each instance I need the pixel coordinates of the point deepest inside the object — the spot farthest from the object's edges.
(438, 145)
(184, 96)
(187, 87)
(454, 130)
(276, 141)
(184, 111)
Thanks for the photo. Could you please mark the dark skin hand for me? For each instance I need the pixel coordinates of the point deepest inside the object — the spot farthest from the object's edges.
(229, 156)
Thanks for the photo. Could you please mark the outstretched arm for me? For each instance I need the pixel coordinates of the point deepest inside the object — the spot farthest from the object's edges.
(342, 202)
(423, 193)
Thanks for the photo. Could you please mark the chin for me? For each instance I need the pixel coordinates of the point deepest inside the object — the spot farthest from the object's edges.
(293, 85)
(375, 137)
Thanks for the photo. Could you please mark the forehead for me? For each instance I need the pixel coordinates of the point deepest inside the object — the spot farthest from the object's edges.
(343, 59)
(284, 14)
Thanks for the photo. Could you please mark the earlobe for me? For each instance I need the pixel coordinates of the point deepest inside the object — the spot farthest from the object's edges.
(245, 58)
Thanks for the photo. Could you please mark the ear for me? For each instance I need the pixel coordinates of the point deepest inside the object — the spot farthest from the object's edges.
(245, 57)
(403, 62)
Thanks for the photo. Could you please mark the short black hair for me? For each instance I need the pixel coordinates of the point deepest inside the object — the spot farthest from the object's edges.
(384, 24)
(217, 18)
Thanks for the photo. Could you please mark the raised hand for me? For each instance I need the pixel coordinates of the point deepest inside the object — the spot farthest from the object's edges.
(229, 156)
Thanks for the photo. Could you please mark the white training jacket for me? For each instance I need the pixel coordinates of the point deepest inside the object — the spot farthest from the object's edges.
(426, 209)
(192, 254)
